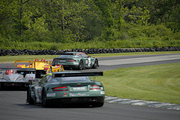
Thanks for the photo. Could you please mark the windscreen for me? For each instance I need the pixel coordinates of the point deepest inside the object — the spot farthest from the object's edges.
(66, 56)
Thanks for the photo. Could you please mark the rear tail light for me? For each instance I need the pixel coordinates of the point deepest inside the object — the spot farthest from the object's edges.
(64, 88)
(71, 60)
(95, 87)
(55, 60)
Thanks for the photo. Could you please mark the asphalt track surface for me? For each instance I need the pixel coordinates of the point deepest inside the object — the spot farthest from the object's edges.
(13, 103)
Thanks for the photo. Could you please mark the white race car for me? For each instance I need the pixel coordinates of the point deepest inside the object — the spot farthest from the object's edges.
(11, 78)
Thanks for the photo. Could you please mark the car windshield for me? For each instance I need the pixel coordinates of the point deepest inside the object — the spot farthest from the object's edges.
(72, 79)
(66, 56)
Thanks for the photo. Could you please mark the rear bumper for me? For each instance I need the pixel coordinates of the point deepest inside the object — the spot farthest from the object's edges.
(70, 66)
(78, 100)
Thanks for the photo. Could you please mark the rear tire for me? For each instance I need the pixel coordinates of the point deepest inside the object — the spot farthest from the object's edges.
(80, 67)
(0, 85)
(99, 104)
(44, 99)
(30, 99)
(95, 64)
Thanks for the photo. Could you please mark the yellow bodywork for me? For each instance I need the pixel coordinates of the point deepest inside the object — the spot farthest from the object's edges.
(39, 65)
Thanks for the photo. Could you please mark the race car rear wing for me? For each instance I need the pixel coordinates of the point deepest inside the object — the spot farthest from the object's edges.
(14, 86)
(20, 69)
(75, 74)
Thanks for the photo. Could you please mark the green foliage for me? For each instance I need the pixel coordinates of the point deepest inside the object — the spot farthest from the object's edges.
(87, 21)
(54, 46)
(131, 43)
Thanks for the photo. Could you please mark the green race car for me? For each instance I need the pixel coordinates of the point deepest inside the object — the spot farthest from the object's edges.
(77, 60)
(60, 88)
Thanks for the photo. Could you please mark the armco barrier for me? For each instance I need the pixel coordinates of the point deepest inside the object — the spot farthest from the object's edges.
(14, 52)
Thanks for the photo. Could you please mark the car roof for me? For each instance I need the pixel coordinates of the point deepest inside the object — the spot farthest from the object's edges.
(70, 53)
(73, 53)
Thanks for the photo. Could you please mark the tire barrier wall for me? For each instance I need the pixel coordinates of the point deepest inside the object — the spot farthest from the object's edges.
(14, 52)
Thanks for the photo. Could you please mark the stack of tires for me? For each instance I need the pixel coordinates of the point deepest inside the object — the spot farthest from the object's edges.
(14, 52)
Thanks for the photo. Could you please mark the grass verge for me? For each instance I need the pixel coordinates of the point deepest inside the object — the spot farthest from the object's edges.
(26, 57)
(152, 83)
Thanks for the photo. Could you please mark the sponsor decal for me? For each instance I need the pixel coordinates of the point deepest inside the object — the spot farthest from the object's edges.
(79, 88)
(102, 92)
(78, 94)
(51, 95)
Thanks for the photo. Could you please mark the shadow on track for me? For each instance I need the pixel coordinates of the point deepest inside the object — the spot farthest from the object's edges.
(28, 106)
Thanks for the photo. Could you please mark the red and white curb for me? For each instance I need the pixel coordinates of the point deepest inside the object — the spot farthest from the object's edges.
(155, 104)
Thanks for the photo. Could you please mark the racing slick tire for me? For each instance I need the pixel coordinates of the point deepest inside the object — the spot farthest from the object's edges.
(1, 86)
(95, 64)
(30, 99)
(44, 99)
(81, 67)
(31, 102)
(99, 104)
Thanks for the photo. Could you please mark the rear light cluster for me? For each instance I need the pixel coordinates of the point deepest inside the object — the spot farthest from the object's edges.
(55, 60)
(63, 88)
(71, 60)
(95, 87)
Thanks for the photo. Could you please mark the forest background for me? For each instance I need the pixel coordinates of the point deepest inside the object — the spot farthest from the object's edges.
(86, 24)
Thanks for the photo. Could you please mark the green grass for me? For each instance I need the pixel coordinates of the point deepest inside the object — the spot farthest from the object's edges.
(133, 53)
(26, 57)
(50, 57)
(152, 83)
